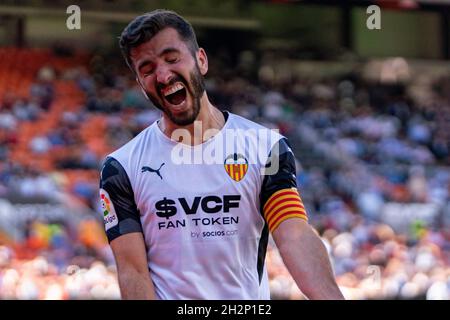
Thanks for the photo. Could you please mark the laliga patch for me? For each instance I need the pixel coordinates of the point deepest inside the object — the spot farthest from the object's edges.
(109, 213)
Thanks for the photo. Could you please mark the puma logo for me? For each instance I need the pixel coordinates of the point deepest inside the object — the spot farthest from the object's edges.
(145, 168)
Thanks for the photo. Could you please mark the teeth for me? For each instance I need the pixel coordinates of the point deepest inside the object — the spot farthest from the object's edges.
(173, 89)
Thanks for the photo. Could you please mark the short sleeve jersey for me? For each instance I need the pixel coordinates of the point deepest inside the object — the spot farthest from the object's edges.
(205, 211)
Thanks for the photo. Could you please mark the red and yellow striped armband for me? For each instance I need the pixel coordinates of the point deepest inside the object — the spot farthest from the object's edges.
(282, 205)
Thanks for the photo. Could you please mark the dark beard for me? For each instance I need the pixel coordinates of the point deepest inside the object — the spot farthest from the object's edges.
(196, 89)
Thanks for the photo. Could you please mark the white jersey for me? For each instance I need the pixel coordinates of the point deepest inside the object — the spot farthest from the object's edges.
(205, 211)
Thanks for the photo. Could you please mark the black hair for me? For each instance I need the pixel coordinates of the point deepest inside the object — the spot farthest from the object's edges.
(143, 28)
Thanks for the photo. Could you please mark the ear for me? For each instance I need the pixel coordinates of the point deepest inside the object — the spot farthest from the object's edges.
(202, 61)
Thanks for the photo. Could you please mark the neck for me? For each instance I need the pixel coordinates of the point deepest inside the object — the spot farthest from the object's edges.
(208, 122)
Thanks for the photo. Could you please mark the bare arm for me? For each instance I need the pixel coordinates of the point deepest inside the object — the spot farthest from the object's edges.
(306, 259)
(134, 278)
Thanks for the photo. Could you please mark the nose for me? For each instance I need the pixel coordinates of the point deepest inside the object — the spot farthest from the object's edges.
(163, 75)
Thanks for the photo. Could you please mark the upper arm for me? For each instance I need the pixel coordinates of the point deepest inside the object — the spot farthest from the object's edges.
(280, 199)
(124, 232)
(291, 231)
(129, 252)
(120, 213)
(121, 216)
(292, 237)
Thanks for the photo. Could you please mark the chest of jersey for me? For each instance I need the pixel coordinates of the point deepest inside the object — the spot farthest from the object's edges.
(200, 211)
(198, 201)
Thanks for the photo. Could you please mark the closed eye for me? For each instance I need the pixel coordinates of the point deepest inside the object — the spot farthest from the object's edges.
(146, 68)
(172, 60)
(171, 56)
(147, 72)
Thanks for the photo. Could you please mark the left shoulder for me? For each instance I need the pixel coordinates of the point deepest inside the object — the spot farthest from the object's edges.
(240, 123)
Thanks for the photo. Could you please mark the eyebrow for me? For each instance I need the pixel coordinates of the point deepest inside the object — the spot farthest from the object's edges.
(163, 52)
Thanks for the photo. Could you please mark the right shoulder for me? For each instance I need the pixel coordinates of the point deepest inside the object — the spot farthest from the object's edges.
(133, 149)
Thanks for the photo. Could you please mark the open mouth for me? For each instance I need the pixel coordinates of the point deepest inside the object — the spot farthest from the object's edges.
(175, 95)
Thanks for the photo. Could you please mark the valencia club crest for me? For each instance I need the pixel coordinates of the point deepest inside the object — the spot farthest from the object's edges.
(236, 166)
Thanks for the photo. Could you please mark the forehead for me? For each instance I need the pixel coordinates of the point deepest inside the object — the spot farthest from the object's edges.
(166, 38)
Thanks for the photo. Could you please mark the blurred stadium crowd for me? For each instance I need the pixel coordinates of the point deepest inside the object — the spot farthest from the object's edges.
(373, 170)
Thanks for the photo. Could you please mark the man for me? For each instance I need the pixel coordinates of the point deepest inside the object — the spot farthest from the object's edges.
(197, 230)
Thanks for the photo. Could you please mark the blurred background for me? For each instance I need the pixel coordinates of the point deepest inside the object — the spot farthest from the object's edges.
(367, 113)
